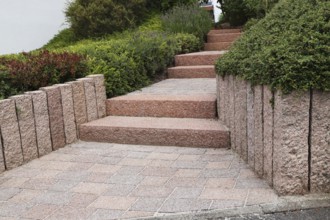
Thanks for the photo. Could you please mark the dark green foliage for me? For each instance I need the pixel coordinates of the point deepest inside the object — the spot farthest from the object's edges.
(62, 39)
(238, 12)
(289, 49)
(135, 60)
(30, 71)
(164, 5)
(189, 19)
(95, 18)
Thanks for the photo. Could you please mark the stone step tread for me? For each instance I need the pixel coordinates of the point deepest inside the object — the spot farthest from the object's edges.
(201, 71)
(193, 67)
(148, 97)
(202, 53)
(220, 31)
(224, 34)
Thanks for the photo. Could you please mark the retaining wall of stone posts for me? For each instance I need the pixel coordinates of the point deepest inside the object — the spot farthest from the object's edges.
(35, 123)
(285, 139)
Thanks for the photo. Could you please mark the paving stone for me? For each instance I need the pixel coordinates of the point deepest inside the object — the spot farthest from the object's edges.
(260, 196)
(138, 155)
(58, 165)
(125, 179)
(162, 156)
(190, 150)
(160, 163)
(110, 202)
(22, 172)
(225, 204)
(217, 158)
(130, 170)
(101, 214)
(154, 181)
(246, 174)
(147, 204)
(81, 200)
(90, 188)
(189, 157)
(186, 193)
(24, 111)
(251, 184)
(104, 168)
(63, 185)
(220, 173)
(186, 182)
(152, 191)
(7, 193)
(9, 209)
(70, 128)
(218, 165)
(134, 162)
(98, 177)
(73, 175)
(290, 159)
(110, 160)
(13, 182)
(41, 118)
(47, 174)
(71, 213)
(159, 171)
(80, 167)
(55, 111)
(100, 94)
(221, 183)
(136, 214)
(90, 98)
(224, 194)
(119, 190)
(39, 183)
(188, 172)
(40, 211)
(218, 151)
(189, 164)
(87, 158)
(25, 196)
(184, 205)
(11, 141)
(79, 103)
(52, 197)
(320, 150)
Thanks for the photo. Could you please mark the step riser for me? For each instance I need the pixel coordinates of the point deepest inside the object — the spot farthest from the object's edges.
(217, 46)
(196, 60)
(162, 108)
(225, 31)
(161, 137)
(191, 73)
(214, 38)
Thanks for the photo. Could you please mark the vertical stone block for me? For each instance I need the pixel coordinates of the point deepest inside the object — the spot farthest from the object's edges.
(68, 113)
(101, 96)
(221, 92)
(241, 118)
(320, 142)
(41, 119)
(231, 110)
(250, 123)
(258, 130)
(2, 160)
(225, 100)
(26, 124)
(79, 103)
(290, 159)
(10, 134)
(55, 116)
(90, 98)
(268, 134)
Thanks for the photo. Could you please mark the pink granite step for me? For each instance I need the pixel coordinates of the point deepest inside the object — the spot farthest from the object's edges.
(204, 71)
(226, 37)
(175, 106)
(217, 46)
(223, 31)
(157, 131)
(199, 58)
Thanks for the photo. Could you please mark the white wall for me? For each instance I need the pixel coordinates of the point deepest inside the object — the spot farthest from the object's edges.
(216, 10)
(29, 24)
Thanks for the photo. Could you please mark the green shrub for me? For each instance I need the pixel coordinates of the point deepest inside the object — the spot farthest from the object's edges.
(30, 71)
(62, 39)
(289, 49)
(189, 19)
(95, 18)
(164, 5)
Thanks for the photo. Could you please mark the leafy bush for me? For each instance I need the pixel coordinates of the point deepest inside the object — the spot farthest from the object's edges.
(62, 39)
(289, 49)
(30, 71)
(187, 19)
(94, 18)
(132, 62)
(238, 12)
(164, 5)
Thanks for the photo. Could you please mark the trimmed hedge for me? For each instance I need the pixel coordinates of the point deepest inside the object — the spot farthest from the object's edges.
(289, 49)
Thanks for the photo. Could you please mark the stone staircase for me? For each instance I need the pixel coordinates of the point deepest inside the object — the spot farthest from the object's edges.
(179, 111)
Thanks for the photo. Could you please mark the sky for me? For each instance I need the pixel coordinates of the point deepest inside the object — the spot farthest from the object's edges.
(29, 24)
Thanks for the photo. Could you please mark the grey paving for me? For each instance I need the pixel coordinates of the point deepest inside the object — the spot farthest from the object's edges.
(112, 181)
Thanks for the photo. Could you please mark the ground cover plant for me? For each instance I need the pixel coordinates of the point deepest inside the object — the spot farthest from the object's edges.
(289, 49)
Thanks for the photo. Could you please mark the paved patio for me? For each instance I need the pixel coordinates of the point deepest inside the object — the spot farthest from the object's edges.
(109, 181)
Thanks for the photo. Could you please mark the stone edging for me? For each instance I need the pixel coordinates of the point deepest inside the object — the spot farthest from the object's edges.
(35, 123)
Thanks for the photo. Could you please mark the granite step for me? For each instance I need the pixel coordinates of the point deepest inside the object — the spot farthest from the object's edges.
(202, 71)
(186, 132)
(198, 58)
(224, 31)
(175, 106)
(221, 46)
(226, 37)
